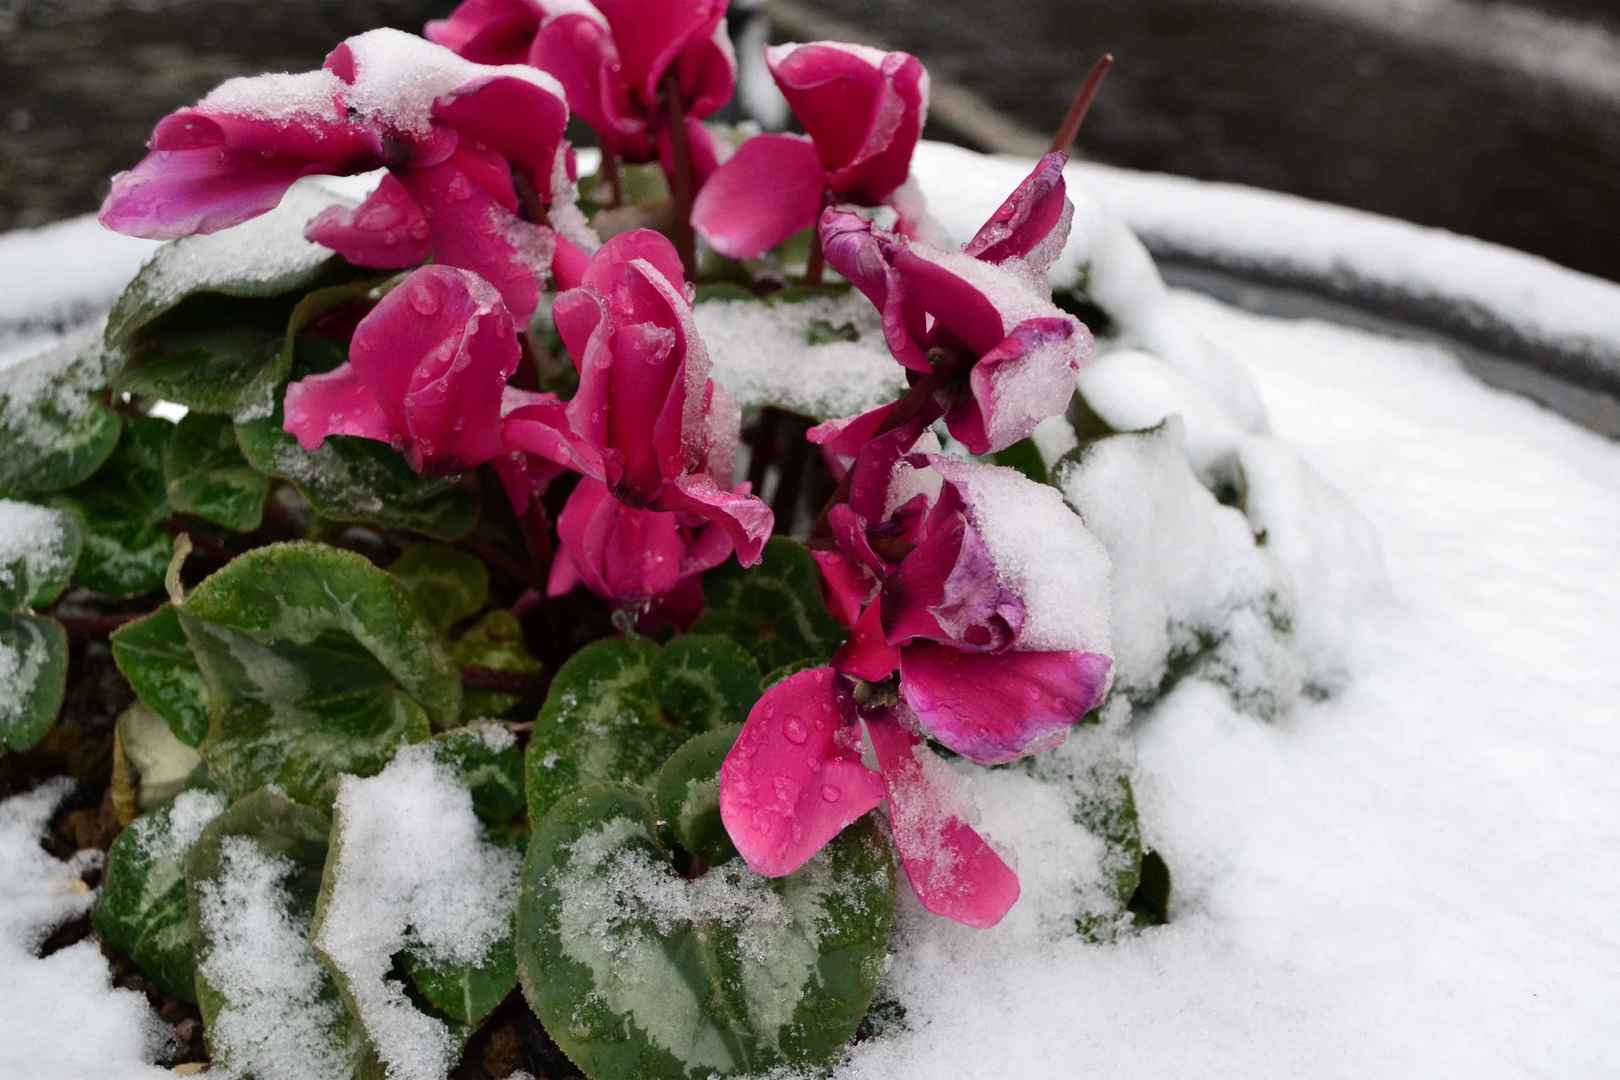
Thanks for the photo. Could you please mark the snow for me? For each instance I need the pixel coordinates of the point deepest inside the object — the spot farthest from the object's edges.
(310, 97)
(33, 546)
(414, 872)
(63, 1018)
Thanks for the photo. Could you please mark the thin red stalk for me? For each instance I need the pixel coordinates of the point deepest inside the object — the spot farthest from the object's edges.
(1082, 104)
(615, 179)
(685, 245)
(95, 625)
(504, 682)
(813, 268)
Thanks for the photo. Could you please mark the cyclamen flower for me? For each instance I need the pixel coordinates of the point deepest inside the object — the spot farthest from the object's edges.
(426, 372)
(652, 436)
(613, 58)
(989, 598)
(863, 110)
(986, 347)
(451, 133)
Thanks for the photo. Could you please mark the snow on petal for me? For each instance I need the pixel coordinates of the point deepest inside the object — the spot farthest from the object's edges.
(1033, 224)
(743, 517)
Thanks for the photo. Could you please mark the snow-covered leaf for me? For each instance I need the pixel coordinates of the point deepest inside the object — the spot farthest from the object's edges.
(269, 1008)
(354, 479)
(316, 663)
(637, 971)
(706, 681)
(687, 795)
(216, 355)
(447, 583)
(39, 548)
(33, 677)
(54, 430)
(141, 911)
(154, 655)
(487, 761)
(122, 509)
(206, 474)
(495, 642)
(774, 610)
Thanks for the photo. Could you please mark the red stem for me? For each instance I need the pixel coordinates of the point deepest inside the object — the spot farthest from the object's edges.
(95, 625)
(1081, 104)
(813, 268)
(504, 682)
(682, 180)
(615, 179)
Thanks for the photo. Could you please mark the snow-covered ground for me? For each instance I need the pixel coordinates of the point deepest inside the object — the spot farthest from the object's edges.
(1415, 877)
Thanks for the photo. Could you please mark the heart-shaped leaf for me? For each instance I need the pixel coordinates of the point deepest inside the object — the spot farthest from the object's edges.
(212, 354)
(447, 583)
(122, 509)
(33, 677)
(687, 795)
(54, 430)
(354, 479)
(495, 642)
(600, 723)
(269, 1008)
(706, 681)
(774, 610)
(154, 655)
(316, 663)
(39, 548)
(205, 474)
(486, 759)
(141, 910)
(641, 974)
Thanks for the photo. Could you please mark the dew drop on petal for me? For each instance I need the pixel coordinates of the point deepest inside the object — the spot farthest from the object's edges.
(794, 730)
(424, 301)
(829, 793)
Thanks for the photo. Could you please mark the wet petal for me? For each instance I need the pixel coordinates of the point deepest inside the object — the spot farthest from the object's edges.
(1022, 381)
(745, 518)
(855, 247)
(620, 553)
(794, 778)
(388, 231)
(947, 590)
(1033, 224)
(770, 188)
(336, 402)
(487, 31)
(520, 119)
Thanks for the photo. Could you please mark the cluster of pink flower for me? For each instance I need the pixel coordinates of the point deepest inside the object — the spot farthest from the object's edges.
(480, 186)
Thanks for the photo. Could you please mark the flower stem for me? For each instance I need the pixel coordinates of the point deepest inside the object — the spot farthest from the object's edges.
(615, 179)
(95, 625)
(813, 268)
(522, 683)
(682, 180)
(1081, 104)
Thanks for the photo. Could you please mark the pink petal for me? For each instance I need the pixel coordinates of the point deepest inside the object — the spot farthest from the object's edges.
(947, 590)
(846, 586)
(745, 519)
(864, 109)
(995, 707)
(620, 553)
(1033, 223)
(654, 35)
(388, 231)
(1022, 381)
(929, 282)
(770, 188)
(794, 778)
(613, 259)
(336, 402)
(867, 655)
(518, 119)
(568, 264)
(703, 153)
(855, 247)
(487, 31)
(953, 871)
(576, 48)
(537, 424)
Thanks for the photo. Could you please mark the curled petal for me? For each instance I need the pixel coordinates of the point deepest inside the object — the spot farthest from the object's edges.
(537, 424)
(1033, 224)
(688, 37)
(794, 778)
(620, 553)
(575, 45)
(388, 231)
(995, 707)
(745, 518)
(336, 402)
(854, 246)
(1022, 381)
(866, 655)
(521, 119)
(947, 590)
(953, 871)
(770, 188)
(846, 587)
(963, 295)
(487, 31)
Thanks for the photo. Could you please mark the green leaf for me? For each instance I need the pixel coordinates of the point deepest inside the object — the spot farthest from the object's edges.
(154, 655)
(54, 430)
(122, 509)
(33, 677)
(39, 548)
(447, 584)
(466, 994)
(358, 480)
(495, 642)
(205, 474)
(798, 294)
(705, 681)
(824, 332)
(600, 723)
(1024, 457)
(316, 663)
(162, 763)
(687, 794)
(774, 610)
(722, 290)
(252, 879)
(486, 759)
(212, 354)
(141, 910)
(662, 978)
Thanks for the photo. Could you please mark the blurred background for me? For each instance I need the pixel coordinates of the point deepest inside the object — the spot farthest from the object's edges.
(1498, 120)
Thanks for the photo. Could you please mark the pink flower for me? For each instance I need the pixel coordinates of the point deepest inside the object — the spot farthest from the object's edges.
(976, 328)
(613, 58)
(426, 372)
(451, 133)
(989, 599)
(863, 110)
(652, 435)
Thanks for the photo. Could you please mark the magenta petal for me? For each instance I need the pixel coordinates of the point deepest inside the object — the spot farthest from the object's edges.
(653, 36)
(336, 402)
(620, 553)
(953, 871)
(487, 31)
(539, 426)
(388, 231)
(576, 48)
(770, 189)
(930, 281)
(1022, 381)
(745, 518)
(794, 779)
(1033, 224)
(854, 247)
(703, 153)
(613, 259)
(846, 587)
(866, 655)
(947, 590)
(517, 118)
(995, 707)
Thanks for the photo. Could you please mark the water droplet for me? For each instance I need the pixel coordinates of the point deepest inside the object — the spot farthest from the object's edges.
(795, 731)
(829, 793)
(424, 301)
(419, 230)
(457, 189)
